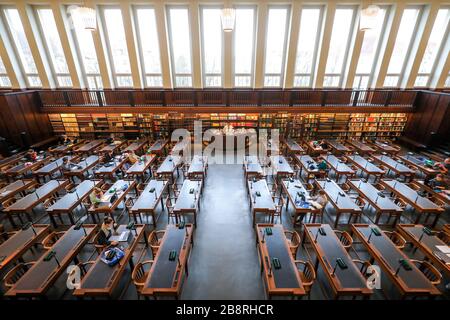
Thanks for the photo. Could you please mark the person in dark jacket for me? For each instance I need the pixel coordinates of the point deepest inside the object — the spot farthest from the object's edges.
(106, 232)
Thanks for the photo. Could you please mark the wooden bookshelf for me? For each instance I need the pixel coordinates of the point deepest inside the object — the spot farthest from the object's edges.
(297, 125)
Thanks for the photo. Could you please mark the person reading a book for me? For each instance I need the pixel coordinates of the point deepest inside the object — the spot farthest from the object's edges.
(96, 196)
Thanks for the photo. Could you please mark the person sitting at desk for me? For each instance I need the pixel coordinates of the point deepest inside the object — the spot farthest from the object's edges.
(31, 155)
(322, 165)
(318, 202)
(133, 157)
(108, 157)
(438, 182)
(444, 167)
(96, 196)
(315, 145)
(323, 144)
(106, 232)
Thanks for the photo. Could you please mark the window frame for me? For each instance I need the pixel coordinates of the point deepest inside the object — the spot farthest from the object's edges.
(319, 33)
(254, 8)
(115, 75)
(8, 31)
(135, 8)
(351, 34)
(401, 75)
(282, 73)
(174, 74)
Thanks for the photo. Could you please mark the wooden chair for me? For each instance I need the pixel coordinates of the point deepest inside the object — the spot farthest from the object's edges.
(444, 236)
(279, 203)
(98, 247)
(128, 205)
(139, 188)
(307, 274)
(402, 205)
(176, 189)
(140, 274)
(396, 238)
(16, 273)
(51, 239)
(170, 205)
(345, 238)
(294, 241)
(429, 271)
(6, 235)
(84, 267)
(363, 266)
(105, 187)
(154, 241)
(361, 203)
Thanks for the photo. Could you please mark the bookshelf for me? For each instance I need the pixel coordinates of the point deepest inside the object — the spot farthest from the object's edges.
(297, 125)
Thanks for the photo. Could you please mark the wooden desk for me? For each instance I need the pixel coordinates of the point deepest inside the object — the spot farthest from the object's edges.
(41, 277)
(136, 146)
(159, 146)
(339, 199)
(169, 165)
(113, 146)
(262, 203)
(339, 167)
(382, 205)
(14, 248)
(286, 280)
(443, 195)
(293, 147)
(305, 162)
(337, 146)
(198, 167)
(27, 203)
(419, 162)
(397, 167)
(89, 146)
(148, 201)
(14, 188)
(52, 167)
(189, 202)
(140, 167)
(360, 146)
(422, 204)
(120, 188)
(165, 277)
(101, 279)
(293, 189)
(110, 169)
(328, 248)
(64, 148)
(384, 251)
(252, 167)
(82, 167)
(71, 200)
(23, 168)
(368, 167)
(426, 243)
(385, 146)
(12, 159)
(281, 166)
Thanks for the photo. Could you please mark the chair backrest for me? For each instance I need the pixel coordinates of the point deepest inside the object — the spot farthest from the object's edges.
(16, 273)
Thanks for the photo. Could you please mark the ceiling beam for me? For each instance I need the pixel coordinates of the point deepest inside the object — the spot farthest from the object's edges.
(131, 39)
(163, 45)
(12, 68)
(325, 44)
(69, 53)
(392, 29)
(36, 48)
(262, 13)
(292, 45)
(195, 44)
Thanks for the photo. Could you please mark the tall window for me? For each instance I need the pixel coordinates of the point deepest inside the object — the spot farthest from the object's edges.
(21, 47)
(180, 46)
(244, 46)
(117, 47)
(54, 48)
(309, 34)
(86, 51)
(4, 79)
(343, 24)
(434, 47)
(211, 29)
(148, 46)
(407, 29)
(369, 51)
(277, 23)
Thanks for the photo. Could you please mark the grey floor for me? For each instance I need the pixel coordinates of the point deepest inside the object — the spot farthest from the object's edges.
(224, 261)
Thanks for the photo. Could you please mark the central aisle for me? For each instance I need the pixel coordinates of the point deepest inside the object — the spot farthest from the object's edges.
(224, 261)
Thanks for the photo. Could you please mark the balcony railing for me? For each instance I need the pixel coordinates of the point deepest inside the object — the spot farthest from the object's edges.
(226, 98)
